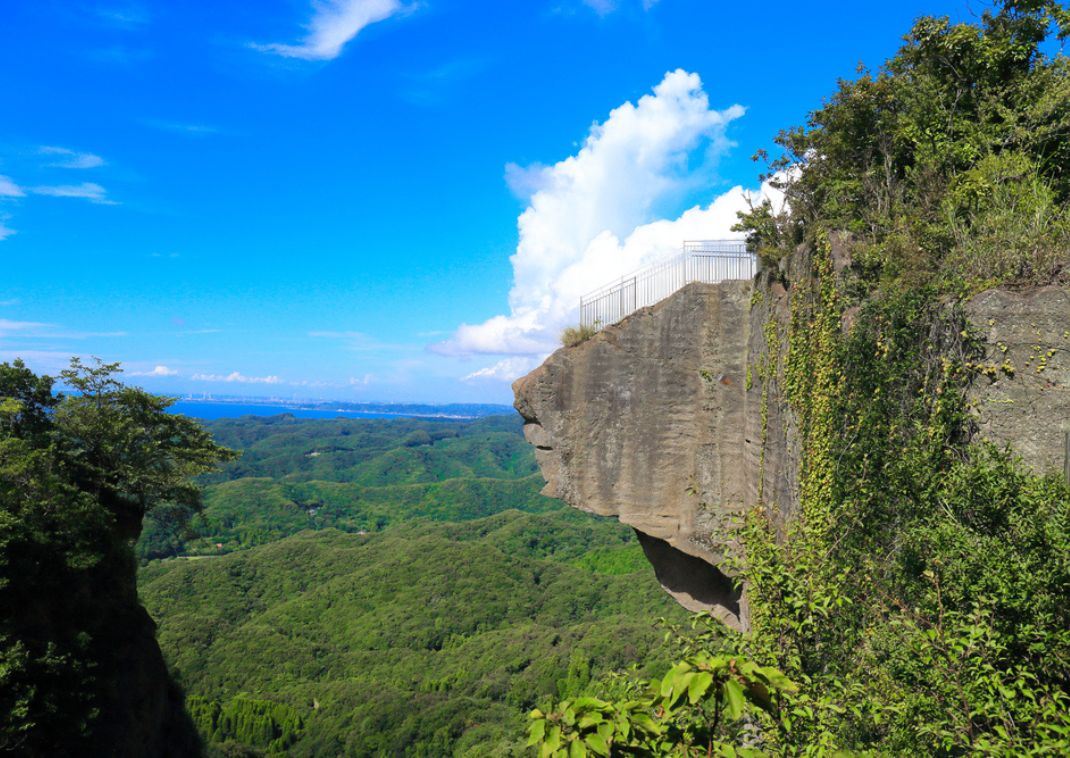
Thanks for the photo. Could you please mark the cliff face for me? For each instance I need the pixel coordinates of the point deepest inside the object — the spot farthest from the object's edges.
(662, 421)
(651, 421)
(1025, 398)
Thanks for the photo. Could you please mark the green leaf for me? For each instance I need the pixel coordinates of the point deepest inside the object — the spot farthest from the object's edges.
(597, 744)
(605, 731)
(577, 750)
(733, 699)
(553, 739)
(589, 720)
(589, 703)
(697, 687)
(536, 732)
(645, 723)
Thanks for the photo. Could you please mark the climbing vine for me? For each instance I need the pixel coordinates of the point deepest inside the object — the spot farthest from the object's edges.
(870, 598)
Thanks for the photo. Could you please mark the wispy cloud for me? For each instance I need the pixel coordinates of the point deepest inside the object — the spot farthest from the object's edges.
(601, 7)
(334, 23)
(67, 158)
(41, 330)
(359, 341)
(76, 335)
(196, 130)
(235, 376)
(8, 188)
(156, 371)
(5, 231)
(42, 361)
(127, 17)
(604, 7)
(9, 328)
(12, 301)
(90, 191)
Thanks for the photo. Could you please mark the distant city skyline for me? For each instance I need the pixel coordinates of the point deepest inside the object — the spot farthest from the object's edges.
(377, 200)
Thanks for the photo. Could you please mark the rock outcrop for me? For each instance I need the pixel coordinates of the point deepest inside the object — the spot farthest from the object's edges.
(661, 420)
(1025, 399)
(646, 421)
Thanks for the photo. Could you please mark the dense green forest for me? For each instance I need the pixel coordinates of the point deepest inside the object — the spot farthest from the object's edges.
(422, 640)
(917, 601)
(353, 475)
(342, 588)
(366, 587)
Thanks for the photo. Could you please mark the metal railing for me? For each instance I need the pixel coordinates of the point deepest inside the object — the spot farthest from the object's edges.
(709, 261)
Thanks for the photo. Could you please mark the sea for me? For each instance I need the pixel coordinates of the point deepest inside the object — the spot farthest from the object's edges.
(208, 410)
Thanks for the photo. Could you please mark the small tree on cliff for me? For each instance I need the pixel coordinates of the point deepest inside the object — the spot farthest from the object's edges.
(77, 474)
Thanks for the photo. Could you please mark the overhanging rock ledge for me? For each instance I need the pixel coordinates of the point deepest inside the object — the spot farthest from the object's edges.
(647, 421)
(663, 421)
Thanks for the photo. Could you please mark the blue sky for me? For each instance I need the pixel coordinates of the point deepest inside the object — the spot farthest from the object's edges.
(380, 200)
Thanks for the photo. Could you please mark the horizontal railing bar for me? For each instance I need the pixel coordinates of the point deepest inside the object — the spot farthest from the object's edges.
(701, 261)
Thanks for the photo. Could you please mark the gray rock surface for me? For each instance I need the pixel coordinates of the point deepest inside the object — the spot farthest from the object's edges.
(654, 420)
(1025, 402)
(646, 421)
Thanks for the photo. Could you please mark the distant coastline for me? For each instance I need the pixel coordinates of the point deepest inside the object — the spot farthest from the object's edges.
(234, 407)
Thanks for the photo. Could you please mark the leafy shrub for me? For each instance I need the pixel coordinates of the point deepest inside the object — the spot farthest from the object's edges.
(703, 703)
(1005, 223)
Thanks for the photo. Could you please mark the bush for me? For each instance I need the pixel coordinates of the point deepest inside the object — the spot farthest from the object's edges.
(574, 335)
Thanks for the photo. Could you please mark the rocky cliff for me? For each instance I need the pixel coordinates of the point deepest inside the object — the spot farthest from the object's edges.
(661, 420)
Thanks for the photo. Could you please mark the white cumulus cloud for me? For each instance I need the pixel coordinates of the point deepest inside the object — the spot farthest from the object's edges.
(156, 371)
(593, 216)
(235, 376)
(505, 370)
(333, 24)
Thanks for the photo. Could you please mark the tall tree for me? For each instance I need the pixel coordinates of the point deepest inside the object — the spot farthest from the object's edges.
(80, 670)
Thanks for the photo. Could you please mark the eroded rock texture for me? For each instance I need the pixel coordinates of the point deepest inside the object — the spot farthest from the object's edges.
(1025, 402)
(646, 422)
(664, 421)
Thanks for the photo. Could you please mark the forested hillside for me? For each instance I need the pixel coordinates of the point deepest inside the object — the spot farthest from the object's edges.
(425, 640)
(367, 587)
(353, 475)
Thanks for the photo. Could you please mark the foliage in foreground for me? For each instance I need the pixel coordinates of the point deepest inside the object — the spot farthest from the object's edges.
(703, 705)
(77, 474)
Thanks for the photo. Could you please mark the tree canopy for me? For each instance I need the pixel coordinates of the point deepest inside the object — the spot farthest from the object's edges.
(952, 160)
(78, 471)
